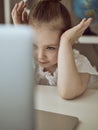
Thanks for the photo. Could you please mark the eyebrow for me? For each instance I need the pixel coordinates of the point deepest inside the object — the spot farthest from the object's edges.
(52, 44)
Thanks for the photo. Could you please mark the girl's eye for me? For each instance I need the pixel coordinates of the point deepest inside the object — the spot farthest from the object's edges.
(51, 48)
(34, 46)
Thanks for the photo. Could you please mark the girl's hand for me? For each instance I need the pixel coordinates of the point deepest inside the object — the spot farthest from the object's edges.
(19, 15)
(72, 35)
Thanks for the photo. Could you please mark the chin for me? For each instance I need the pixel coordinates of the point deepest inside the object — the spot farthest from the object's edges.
(44, 66)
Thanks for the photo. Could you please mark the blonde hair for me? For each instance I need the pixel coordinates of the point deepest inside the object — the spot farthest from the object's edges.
(51, 12)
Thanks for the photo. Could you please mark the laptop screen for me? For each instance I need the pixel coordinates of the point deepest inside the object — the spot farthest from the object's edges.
(16, 78)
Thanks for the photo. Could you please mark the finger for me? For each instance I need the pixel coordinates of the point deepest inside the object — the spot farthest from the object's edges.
(22, 4)
(21, 7)
(14, 9)
(86, 24)
(25, 17)
(83, 20)
(81, 24)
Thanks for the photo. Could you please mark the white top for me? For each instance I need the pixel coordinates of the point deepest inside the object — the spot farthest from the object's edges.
(83, 66)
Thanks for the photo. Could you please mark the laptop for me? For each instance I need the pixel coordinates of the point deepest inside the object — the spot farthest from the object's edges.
(16, 78)
(53, 121)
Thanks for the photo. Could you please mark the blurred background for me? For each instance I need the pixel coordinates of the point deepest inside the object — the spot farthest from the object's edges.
(7, 5)
(89, 50)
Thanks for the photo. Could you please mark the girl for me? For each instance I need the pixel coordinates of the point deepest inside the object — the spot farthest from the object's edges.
(58, 64)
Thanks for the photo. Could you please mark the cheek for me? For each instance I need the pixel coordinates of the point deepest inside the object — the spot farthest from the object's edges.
(54, 56)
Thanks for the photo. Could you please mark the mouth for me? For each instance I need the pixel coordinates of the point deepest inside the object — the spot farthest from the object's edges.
(43, 62)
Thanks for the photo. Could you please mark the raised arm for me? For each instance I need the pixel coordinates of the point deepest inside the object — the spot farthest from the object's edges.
(19, 15)
(71, 83)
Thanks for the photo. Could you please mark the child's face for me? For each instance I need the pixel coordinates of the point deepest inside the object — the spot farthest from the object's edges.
(46, 47)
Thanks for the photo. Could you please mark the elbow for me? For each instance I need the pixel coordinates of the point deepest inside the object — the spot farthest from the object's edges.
(68, 94)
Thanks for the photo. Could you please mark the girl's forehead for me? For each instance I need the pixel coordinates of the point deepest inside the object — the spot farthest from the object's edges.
(47, 36)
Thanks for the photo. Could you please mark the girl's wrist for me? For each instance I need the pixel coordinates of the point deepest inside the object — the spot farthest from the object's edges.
(66, 41)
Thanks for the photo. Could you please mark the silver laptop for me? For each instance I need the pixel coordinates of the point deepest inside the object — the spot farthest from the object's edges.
(16, 78)
(53, 121)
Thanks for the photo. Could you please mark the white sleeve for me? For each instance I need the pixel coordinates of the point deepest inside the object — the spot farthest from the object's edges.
(83, 64)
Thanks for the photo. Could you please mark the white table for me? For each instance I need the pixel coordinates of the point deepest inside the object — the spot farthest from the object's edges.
(84, 107)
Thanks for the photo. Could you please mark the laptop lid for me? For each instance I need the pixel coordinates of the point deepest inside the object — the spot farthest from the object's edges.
(16, 78)
(53, 121)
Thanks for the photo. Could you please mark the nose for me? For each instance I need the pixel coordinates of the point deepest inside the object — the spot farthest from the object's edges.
(41, 55)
